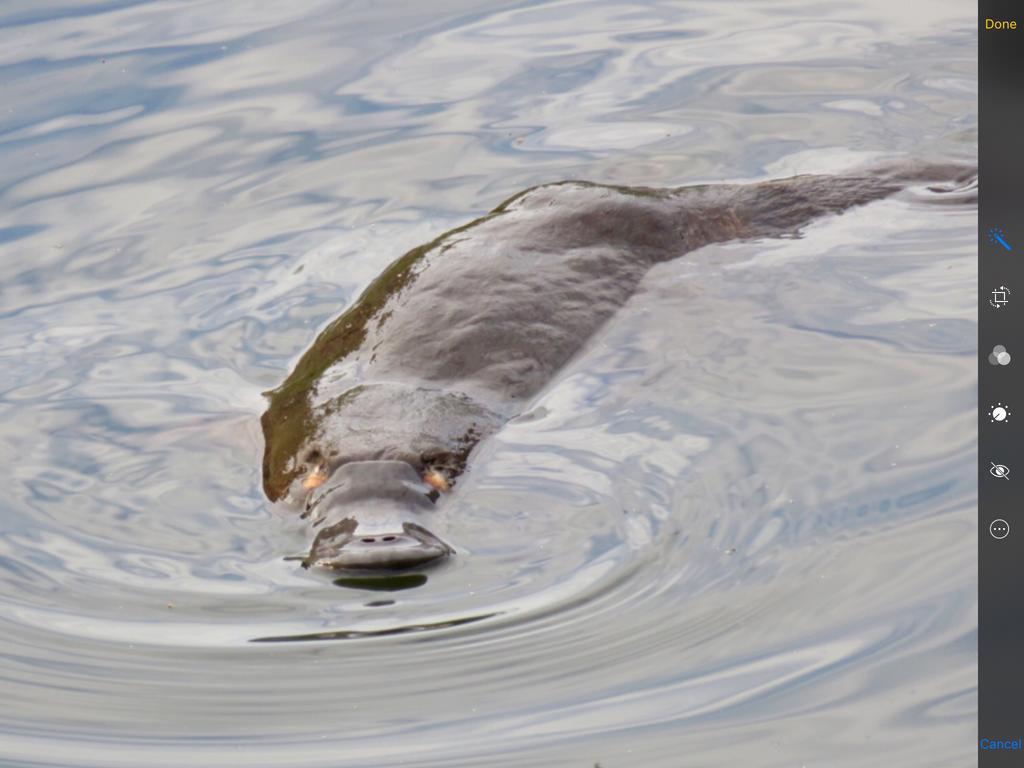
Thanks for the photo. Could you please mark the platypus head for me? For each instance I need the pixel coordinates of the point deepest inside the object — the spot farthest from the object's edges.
(370, 515)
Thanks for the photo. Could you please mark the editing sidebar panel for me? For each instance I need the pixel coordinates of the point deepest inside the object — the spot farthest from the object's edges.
(1001, 384)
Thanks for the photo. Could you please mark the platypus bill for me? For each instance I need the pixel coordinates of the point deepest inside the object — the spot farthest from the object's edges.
(380, 414)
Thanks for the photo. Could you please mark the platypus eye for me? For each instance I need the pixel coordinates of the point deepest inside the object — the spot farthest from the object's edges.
(316, 477)
(437, 479)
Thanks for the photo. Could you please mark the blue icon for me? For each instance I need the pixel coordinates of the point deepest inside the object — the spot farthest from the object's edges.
(996, 236)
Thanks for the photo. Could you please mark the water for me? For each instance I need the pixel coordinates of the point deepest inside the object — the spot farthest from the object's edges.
(739, 529)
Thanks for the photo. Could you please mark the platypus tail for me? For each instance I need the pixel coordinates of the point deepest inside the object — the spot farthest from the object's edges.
(783, 206)
(916, 171)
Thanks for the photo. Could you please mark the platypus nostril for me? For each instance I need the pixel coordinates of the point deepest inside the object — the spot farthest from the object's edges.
(413, 546)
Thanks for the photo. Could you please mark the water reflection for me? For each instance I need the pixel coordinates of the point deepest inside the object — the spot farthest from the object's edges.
(387, 583)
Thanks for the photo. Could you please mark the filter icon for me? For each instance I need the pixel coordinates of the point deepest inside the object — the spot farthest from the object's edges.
(999, 355)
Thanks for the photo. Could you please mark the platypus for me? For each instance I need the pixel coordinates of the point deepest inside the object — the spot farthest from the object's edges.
(380, 414)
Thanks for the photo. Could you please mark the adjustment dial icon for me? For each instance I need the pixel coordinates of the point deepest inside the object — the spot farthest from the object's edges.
(999, 412)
